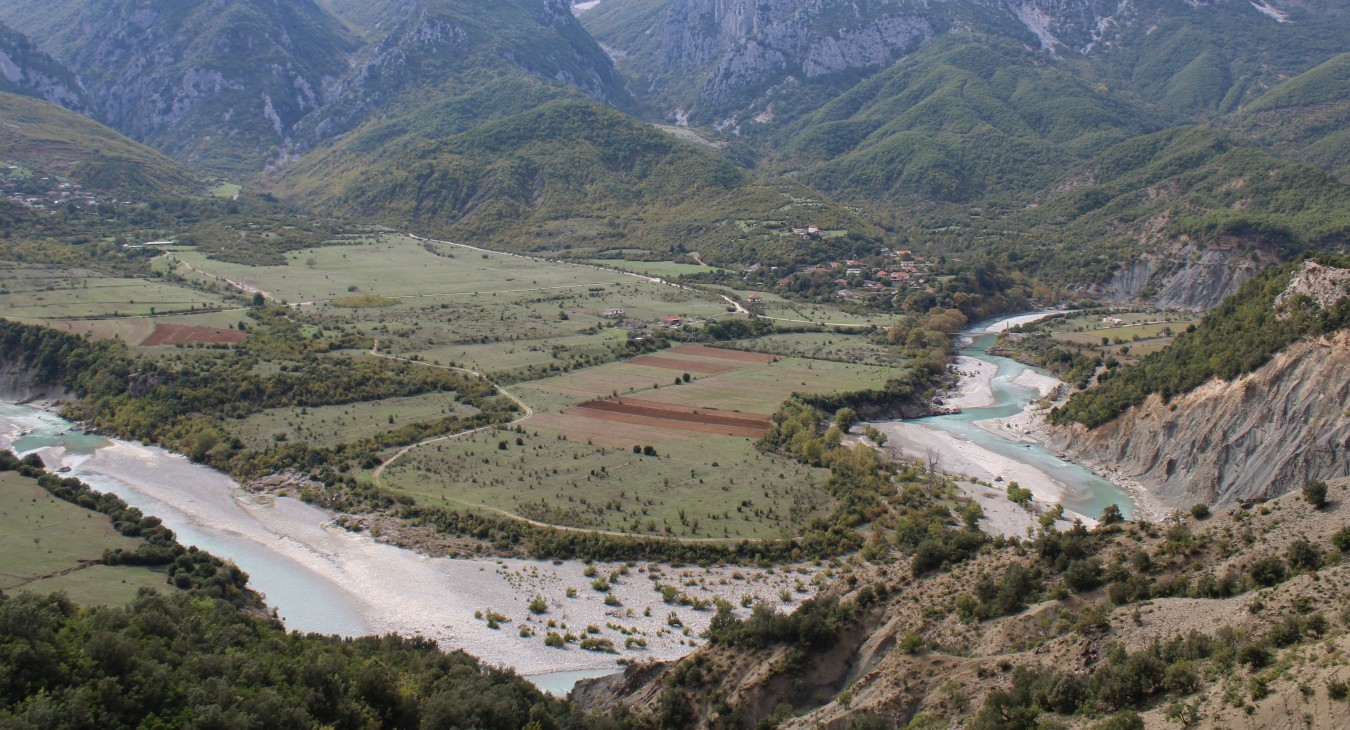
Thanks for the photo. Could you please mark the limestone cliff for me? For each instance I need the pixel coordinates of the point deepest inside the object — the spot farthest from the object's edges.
(1263, 434)
(26, 69)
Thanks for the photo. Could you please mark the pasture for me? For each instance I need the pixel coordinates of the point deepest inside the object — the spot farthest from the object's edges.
(333, 425)
(512, 317)
(662, 269)
(51, 545)
(1134, 336)
(38, 292)
(561, 472)
(573, 462)
(853, 348)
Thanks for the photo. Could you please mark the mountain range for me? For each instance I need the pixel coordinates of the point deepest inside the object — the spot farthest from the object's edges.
(1103, 141)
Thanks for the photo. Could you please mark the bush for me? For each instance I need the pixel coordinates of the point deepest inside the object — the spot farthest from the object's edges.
(1342, 539)
(1268, 571)
(1315, 492)
(554, 639)
(1303, 555)
(538, 604)
(1083, 575)
(1337, 689)
(1199, 510)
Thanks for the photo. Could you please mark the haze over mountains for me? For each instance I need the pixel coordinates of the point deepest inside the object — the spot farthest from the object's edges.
(988, 129)
(785, 218)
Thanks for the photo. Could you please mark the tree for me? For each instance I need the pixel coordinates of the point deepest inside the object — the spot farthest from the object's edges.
(1111, 515)
(1315, 492)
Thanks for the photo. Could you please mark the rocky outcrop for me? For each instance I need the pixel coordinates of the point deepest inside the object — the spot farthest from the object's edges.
(215, 83)
(447, 45)
(745, 46)
(18, 385)
(1183, 275)
(26, 69)
(1263, 434)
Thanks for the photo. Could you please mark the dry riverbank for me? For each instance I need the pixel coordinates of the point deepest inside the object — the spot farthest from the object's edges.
(321, 577)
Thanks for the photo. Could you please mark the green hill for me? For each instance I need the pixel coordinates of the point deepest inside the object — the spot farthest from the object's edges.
(49, 139)
(1187, 182)
(963, 119)
(1306, 117)
(573, 174)
(1205, 59)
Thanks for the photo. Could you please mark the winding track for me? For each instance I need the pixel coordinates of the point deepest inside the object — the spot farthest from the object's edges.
(525, 408)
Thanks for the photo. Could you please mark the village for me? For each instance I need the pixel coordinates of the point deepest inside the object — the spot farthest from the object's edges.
(45, 193)
(857, 279)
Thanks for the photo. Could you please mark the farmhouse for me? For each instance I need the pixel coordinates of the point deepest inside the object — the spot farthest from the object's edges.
(1112, 320)
(754, 299)
(612, 313)
(672, 321)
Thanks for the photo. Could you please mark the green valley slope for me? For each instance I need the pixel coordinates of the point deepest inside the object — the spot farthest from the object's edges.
(49, 139)
(574, 174)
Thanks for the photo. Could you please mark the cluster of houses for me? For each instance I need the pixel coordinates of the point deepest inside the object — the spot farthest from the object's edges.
(861, 279)
(44, 193)
(616, 313)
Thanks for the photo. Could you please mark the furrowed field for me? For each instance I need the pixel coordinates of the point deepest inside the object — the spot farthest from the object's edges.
(623, 430)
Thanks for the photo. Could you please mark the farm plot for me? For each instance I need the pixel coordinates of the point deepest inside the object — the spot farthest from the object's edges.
(684, 418)
(1126, 336)
(49, 544)
(180, 334)
(48, 293)
(694, 485)
(824, 346)
(574, 463)
(332, 425)
(135, 331)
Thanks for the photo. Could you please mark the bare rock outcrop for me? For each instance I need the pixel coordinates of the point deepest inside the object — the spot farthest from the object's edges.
(1261, 435)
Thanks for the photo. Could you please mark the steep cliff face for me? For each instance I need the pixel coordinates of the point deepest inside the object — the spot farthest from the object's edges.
(738, 49)
(1181, 274)
(1261, 435)
(441, 49)
(219, 84)
(26, 69)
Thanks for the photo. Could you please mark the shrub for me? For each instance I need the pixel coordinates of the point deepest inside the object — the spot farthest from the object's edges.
(554, 639)
(1315, 491)
(1268, 571)
(1083, 575)
(1342, 539)
(1199, 510)
(1338, 689)
(538, 604)
(1303, 555)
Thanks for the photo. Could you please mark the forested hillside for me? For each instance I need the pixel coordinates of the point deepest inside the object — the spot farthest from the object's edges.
(1234, 339)
(574, 174)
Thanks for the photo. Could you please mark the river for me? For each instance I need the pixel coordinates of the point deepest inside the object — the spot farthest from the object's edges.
(321, 578)
(973, 443)
(1086, 493)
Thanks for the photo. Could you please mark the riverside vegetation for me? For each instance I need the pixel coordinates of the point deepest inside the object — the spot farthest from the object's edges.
(1006, 158)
